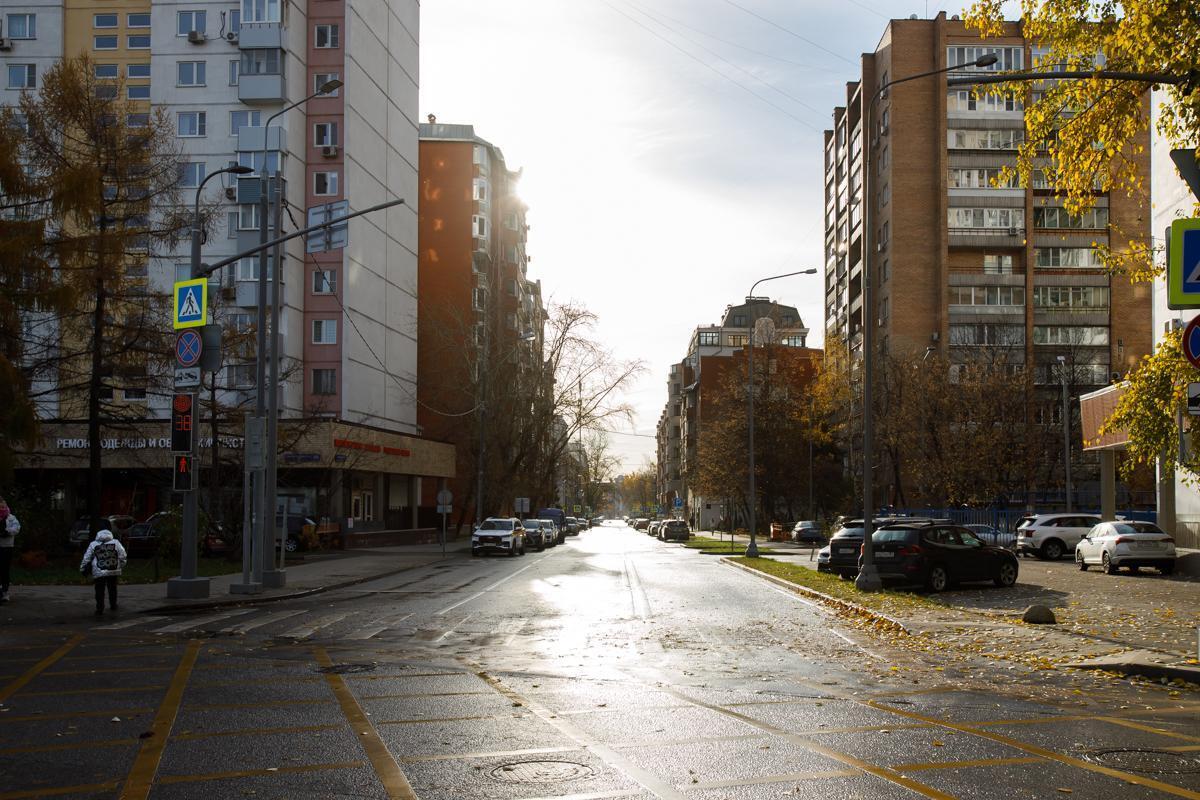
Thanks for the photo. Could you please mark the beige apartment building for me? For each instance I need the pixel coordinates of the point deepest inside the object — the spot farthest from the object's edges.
(962, 265)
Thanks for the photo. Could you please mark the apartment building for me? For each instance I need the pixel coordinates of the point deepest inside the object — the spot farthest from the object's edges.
(713, 350)
(963, 264)
(348, 324)
(482, 319)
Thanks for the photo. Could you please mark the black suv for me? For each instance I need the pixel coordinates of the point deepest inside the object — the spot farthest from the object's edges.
(938, 555)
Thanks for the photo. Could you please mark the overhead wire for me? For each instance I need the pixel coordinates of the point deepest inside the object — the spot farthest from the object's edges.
(789, 31)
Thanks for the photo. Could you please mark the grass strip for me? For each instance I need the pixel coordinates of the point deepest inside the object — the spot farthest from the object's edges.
(711, 546)
(885, 601)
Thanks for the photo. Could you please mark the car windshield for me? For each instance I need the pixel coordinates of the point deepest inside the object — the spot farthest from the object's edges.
(893, 535)
(1026, 522)
(140, 529)
(850, 532)
(496, 525)
(1136, 527)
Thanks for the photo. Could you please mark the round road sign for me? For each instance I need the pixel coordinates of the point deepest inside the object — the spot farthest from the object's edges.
(1191, 342)
(444, 497)
(188, 347)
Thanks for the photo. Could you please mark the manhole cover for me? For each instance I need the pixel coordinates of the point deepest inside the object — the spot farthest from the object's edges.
(542, 772)
(1158, 762)
(346, 669)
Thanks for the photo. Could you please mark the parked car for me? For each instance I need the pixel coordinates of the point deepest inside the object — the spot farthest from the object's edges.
(674, 530)
(1050, 536)
(536, 536)
(499, 535)
(81, 532)
(559, 534)
(939, 556)
(652, 528)
(807, 532)
(216, 541)
(640, 524)
(1112, 545)
(846, 542)
(295, 527)
(558, 516)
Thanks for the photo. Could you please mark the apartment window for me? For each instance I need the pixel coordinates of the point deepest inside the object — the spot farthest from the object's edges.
(241, 376)
(479, 226)
(884, 271)
(479, 298)
(325, 134)
(1071, 298)
(22, 76)
(1079, 335)
(135, 71)
(1005, 139)
(324, 281)
(137, 120)
(885, 194)
(260, 61)
(986, 218)
(1008, 58)
(106, 71)
(710, 339)
(324, 381)
(987, 335)
(192, 123)
(479, 190)
(324, 331)
(326, 36)
(191, 173)
(737, 340)
(247, 268)
(138, 42)
(885, 234)
(792, 341)
(987, 295)
(22, 26)
(104, 20)
(188, 21)
(254, 160)
(884, 309)
(325, 183)
(883, 159)
(138, 92)
(104, 42)
(242, 119)
(235, 20)
(260, 11)
(248, 219)
(987, 178)
(739, 321)
(1054, 217)
(137, 20)
(997, 265)
(322, 78)
(190, 73)
(231, 224)
(1087, 257)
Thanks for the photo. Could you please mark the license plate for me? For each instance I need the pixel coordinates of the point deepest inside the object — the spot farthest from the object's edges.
(884, 555)
(845, 550)
(1146, 545)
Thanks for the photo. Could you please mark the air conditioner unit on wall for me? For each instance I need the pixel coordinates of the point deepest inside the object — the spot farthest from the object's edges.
(231, 192)
(5, 44)
(329, 151)
(231, 37)
(196, 37)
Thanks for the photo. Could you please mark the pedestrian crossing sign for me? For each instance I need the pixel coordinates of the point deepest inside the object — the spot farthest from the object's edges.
(191, 303)
(1183, 264)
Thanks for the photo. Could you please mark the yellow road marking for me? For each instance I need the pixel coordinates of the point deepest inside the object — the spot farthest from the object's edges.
(791, 777)
(141, 774)
(257, 682)
(980, 762)
(113, 671)
(88, 789)
(179, 737)
(490, 754)
(255, 773)
(1185, 748)
(120, 712)
(263, 704)
(50, 748)
(105, 690)
(385, 766)
(431, 719)
(414, 696)
(1137, 726)
(1033, 749)
(31, 673)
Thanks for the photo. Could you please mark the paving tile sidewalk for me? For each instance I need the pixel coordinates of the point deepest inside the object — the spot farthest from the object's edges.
(321, 572)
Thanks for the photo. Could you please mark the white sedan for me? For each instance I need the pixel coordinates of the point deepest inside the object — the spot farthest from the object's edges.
(1113, 545)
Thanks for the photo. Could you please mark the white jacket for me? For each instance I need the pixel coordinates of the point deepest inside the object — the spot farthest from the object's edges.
(11, 529)
(106, 556)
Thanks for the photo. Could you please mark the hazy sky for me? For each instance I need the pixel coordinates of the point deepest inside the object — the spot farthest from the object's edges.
(672, 150)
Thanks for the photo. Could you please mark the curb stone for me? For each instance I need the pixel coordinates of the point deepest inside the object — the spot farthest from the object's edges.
(1140, 662)
(843, 605)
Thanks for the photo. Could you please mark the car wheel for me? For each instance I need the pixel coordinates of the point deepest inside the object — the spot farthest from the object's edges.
(1007, 575)
(1079, 560)
(291, 545)
(1052, 550)
(938, 578)
(1167, 569)
(474, 553)
(1107, 565)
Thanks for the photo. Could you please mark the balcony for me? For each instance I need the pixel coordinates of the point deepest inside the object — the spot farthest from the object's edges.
(262, 88)
(250, 138)
(259, 35)
(986, 237)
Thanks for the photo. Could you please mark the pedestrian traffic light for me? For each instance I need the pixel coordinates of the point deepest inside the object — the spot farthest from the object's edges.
(185, 473)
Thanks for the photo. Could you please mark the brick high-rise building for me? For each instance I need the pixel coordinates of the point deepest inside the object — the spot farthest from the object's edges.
(960, 264)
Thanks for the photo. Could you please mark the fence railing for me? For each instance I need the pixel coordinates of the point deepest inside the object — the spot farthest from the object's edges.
(1004, 521)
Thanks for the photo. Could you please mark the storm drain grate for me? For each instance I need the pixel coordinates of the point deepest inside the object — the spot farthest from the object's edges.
(542, 772)
(345, 669)
(1146, 760)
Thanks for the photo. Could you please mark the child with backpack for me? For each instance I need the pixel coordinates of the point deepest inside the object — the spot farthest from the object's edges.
(106, 558)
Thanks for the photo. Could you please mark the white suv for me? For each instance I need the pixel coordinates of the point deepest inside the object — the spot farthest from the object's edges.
(1050, 536)
(499, 535)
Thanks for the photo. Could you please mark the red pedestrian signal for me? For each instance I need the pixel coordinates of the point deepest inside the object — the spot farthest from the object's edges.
(185, 473)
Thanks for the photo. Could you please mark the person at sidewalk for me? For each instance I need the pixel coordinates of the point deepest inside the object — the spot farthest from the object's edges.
(9, 528)
(106, 557)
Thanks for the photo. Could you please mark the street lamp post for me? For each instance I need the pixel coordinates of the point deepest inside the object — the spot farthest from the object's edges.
(868, 578)
(752, 500)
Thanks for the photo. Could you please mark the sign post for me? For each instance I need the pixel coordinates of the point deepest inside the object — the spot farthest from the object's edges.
(444, 498)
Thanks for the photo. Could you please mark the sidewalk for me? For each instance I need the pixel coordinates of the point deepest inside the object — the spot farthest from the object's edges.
(317, 573)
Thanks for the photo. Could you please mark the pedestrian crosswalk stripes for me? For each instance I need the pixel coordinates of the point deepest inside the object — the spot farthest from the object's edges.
(128, 623)
(265, 619)
(305, 631)
(371, 631)
(196, 622)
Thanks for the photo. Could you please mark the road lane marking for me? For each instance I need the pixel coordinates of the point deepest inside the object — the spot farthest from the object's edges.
(118, 712)
(305, 631)
(257, 732)
(979, 762)
(436, 719)
(487, 589)
(52, 748)
(128, 623)
(256, 773)
(791, 777)
(145, 765)
(99, 690)
(637, 595)
(265, 619)
(38, 668)
(453, 628)
(390, 775)
(535, 751)
(260, 704)
(1137, 726)
(378, 627)
(847, 639)
(115, 670)
(88, 789)
(196, 622)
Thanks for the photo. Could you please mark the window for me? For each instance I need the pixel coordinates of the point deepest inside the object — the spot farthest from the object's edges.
(987, 334)
(792, 341)
(479, 298)
(22, 26)
(1006, 139)
(192, 123)
(885, 234)
(22, 76)
(997, 265)
(1079, 335)
(190, 73)
(234, 66)
(710, 339)
(138, 92)
(137, 120)
(248, 220)
(138, 42)
(986, 217)
(231, 224)
(325, 183)
(104, 20)
(883, 271)
(479, 191)
(260, 61)
(1071, 298)
(885, 194)
(1008, 58)
(987, 295)
(1055, 217)
(254, 160)
(247, 268)
(241, 119)
(324, 381)
(137, 21)
(133, 71)
(1067, 257)
(188, 21)
(242, 375)
(322, 78)
(479, 226)
(737, 340)
(739, 321)
(106, 71)
(965, 100)
(324, 331)
(104, 42)
(988, 178)
(325, 134)
(260, 11)
(324, 281)
(326, 36)
(235, 21)
(191, 173)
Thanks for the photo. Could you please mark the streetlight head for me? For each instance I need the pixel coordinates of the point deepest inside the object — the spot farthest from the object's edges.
(241, 169)
(332, 86)
(810, 271)
(987, 61)
(1062, 359)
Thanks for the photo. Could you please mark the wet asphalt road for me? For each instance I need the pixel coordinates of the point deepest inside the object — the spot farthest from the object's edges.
(612, 667)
